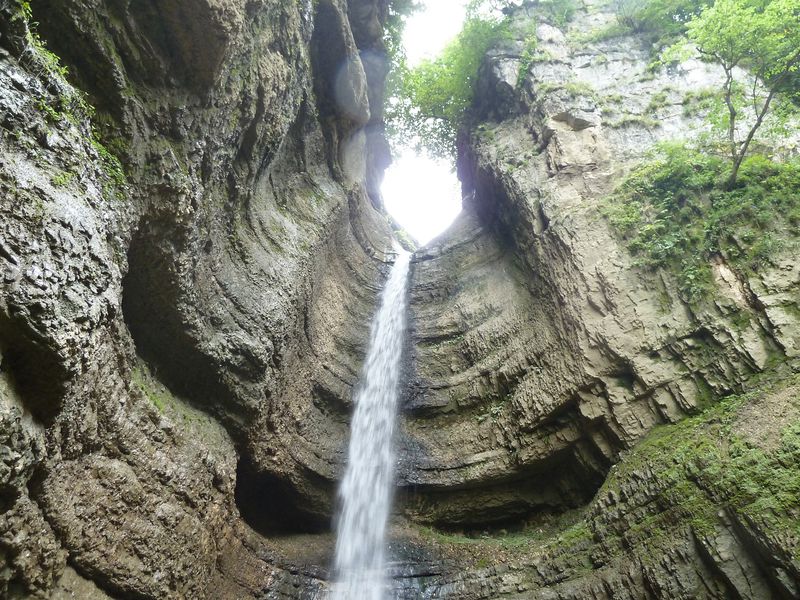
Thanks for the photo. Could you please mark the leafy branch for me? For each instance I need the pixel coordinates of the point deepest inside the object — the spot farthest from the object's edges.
(764, 41)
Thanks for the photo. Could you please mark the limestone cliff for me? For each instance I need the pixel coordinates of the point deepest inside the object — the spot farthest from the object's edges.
(189, 222)
(539, 345)
(191, 247)
(543, 354)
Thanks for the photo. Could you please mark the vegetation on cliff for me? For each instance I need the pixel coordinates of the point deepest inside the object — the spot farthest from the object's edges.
(734, 466)
(715, 198)
(663, 20)
(755, 42)
(430, 101)
(734, 33)
(674, 213)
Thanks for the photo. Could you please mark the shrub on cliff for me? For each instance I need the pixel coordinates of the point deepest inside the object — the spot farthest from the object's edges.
(674, 215)
(763, 39)
(664, 19)
(429, 102)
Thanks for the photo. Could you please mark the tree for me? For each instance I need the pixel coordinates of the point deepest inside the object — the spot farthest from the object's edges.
(429, 102)
(761, 37)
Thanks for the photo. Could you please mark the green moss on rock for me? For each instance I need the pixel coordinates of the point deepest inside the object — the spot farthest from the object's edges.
(674, 215)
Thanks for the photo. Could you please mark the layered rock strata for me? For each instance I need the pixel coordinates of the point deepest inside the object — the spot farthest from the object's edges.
(547, 362)
(541, 351)
(190, 255)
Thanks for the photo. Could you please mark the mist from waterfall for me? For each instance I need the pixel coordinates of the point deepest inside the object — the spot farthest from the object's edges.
(366, 489)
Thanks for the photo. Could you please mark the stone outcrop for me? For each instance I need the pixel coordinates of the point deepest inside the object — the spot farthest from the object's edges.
(209, 216)
(191, 248)
(541, 351)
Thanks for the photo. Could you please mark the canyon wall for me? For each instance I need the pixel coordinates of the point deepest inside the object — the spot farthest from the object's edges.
(192, 249)
(192, 242)
(544, 352)
(540, 344)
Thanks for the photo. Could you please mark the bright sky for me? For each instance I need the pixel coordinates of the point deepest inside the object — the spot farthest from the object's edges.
(428, 31)
(423, 195)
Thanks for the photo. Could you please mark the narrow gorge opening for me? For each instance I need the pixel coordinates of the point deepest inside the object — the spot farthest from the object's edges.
(421, 190)
(422, 194)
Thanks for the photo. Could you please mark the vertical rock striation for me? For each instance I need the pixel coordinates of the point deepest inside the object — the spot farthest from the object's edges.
(193, 195)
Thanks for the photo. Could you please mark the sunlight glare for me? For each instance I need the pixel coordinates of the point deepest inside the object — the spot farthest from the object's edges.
(424, 195)
(428, 31)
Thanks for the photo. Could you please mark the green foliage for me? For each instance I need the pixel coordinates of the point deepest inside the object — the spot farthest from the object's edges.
(427, 104)
(399, 11)
(601, 34)
(37, 56)
(64, 113)
(69, 105)
(558, 12)
(142, 380)
(47, 59)
(764, 33)
(492, 411)
(431, 101)
(26, 12)
(530, 54)
(698, 474)
(62, 179)
(107, 130)
(700, 101)
(662, 19)
(674, 216)
(111, 164)
(659, 100)
(764, 37)
(50, 114)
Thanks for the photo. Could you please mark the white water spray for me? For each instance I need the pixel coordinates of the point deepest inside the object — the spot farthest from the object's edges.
(366, 490)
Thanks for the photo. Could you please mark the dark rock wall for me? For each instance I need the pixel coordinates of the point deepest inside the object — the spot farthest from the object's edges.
(198, 309)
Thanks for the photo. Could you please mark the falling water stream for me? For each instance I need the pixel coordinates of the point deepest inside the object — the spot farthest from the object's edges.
(366, 490)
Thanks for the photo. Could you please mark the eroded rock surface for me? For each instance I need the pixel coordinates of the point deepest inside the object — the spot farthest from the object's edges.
(188, 271)
(541, 351)
(191, 249)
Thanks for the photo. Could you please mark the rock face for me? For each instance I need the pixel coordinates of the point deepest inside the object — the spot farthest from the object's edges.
(210, 216)
(541, 351)
(191, 249)
(542, 354)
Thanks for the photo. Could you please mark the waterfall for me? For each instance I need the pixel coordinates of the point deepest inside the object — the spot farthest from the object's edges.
(366, 489)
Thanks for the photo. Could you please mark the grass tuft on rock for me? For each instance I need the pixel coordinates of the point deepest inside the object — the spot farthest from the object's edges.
(738, 460)
(719, 461)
